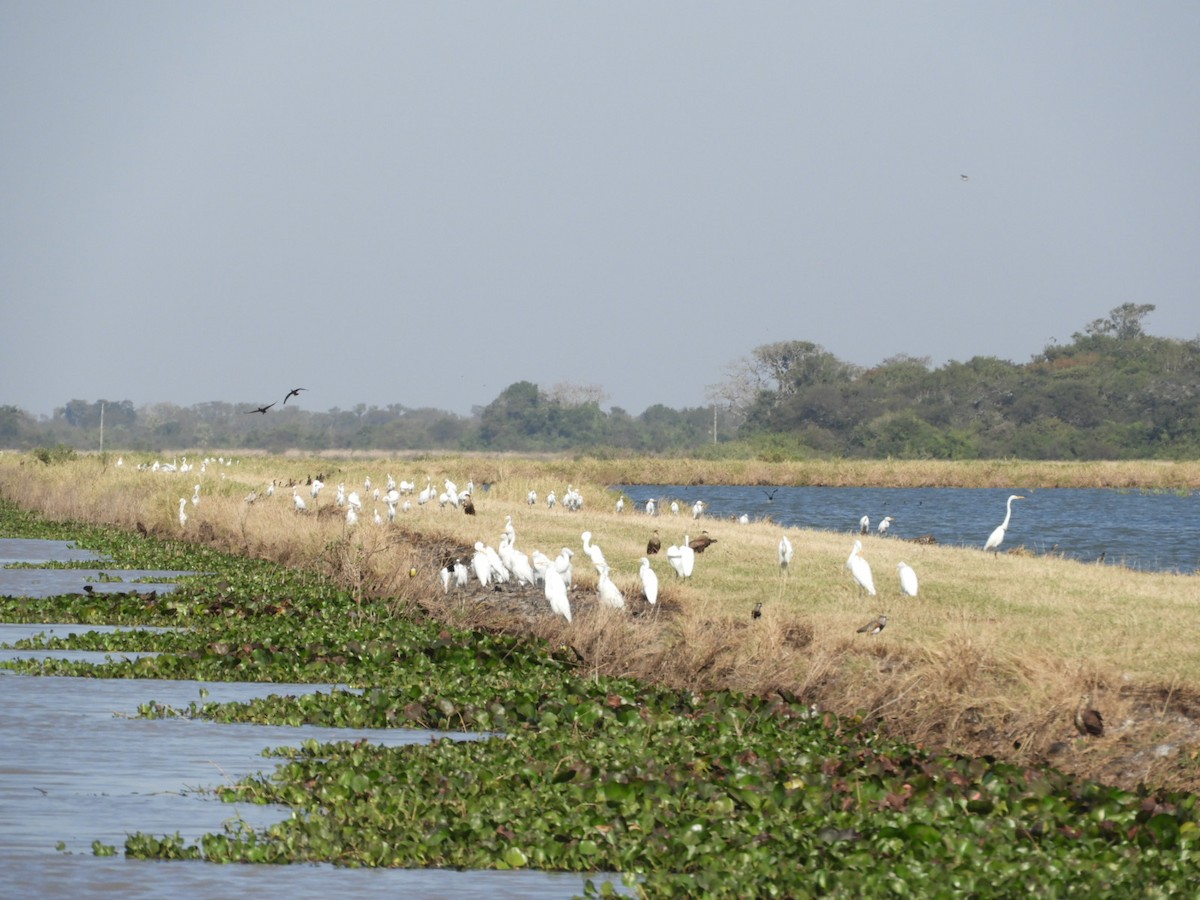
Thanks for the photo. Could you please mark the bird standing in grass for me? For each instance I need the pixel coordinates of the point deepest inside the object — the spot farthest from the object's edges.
(556, 593)
(908, 578)
(756, 613)
(884, 525)
(610, 594)
(785, 552)
(649, 582)
(864, 524)
(861, 569)
(654, 544)
(874, 627)
(1088, 720)
(996, 538)
(182, 512)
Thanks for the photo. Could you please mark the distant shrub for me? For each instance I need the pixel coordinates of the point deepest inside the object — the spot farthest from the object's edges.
(59, 453)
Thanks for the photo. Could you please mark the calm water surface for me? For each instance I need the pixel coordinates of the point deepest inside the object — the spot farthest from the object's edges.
(77, 766)
(1155, 531)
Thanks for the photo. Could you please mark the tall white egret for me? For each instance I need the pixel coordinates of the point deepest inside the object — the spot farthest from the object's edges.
(351, 516)
(861, 569)
(354, 500)
(675, 558)
(996, 538)
(556, 593)
(785, 552)
(593, 551)
(562, 565)
(687, 557)
(697, 509)
(610, 595)
(315, 489)
(340, 500)
(298, 501)
(551, 499)
(908, 578)
(651, 509)
(196, 496)
(649, 582)
(182, 513)
(620, 505)
(674, 508)
(481, 564)
(377, 517)
(864, 524)
(427, 492)
(531, 498)
(885, 524)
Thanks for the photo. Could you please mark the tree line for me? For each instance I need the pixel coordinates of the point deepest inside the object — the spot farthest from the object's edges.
(1112, 392)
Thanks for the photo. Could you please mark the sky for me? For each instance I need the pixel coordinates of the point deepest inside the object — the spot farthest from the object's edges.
(424, 203)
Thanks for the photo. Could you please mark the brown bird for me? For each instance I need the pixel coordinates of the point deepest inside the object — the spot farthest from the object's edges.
(261, 409)
(1088, 720)
(654, 544)
(468, 505)
(701, 543)
(757, 613)
(294, 392)
(874, 627)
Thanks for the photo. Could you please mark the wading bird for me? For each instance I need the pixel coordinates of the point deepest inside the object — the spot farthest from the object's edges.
(874, 627)
(593, 551)
(1088, 720)
(908, 579)
(649, 582)
(182, 513)
(864, 524)
(884, 525)
(785, 552)
(860, 569)
(610, 594)
(556, 593)
(997, 537)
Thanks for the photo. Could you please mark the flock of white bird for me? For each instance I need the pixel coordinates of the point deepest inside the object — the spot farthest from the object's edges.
(506, 563)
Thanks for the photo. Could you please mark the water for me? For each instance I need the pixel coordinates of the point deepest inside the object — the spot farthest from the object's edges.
(39, 583)
(78, 766)
(1153, 531)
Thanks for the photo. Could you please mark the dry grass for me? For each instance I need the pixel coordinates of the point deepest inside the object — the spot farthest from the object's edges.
(992, 657)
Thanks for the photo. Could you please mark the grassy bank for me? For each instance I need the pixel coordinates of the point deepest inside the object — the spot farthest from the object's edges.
(680, 743)
(992, 657)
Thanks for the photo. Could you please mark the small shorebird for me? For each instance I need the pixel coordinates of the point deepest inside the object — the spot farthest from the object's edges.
(874, 627)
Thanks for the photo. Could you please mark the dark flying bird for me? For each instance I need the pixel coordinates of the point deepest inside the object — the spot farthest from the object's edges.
(770, 494)
(261, 409)
(965, 177)
(874, 627)
(294, 392)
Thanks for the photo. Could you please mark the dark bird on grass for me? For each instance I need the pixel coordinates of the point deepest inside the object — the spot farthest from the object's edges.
(294, 392)
(141, 529)
(654, 544)
(87, 589)
(757, 613)
(261, 409)
(468, 506)
(1088, 720)
(874, 627)
(701, 543)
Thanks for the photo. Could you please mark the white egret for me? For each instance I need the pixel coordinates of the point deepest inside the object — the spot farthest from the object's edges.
(885, 524)
(196, 496)
(860, 569)
(997, 537)
(562, 565)
(351, 516)
(674, 508)
(697, 509)
(610, 595)
(864, 524)
(354, 500)
(315, 489)
(531, 498)
(551, 499)
(444, 574)
(687, 558)
(481, 564)
(651, 509)
(556, 593)
(649, 582)
(377, 517)
(675, 558)
(620, 505)
(182, 514)
(785, 552)
(593, 551)
(908, 578)
(744, 519)
(298, 501)
(427, 493)
(340, 500)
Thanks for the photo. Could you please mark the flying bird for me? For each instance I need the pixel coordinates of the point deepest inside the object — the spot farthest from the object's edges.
(965, 177)
(260, 409)
(294, 392)
(874, 627)
(997, 537)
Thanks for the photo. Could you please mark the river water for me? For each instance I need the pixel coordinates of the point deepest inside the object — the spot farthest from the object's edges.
(1149, 530)
(78, 766)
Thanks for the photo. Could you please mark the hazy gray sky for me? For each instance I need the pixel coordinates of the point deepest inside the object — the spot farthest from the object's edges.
(422, 203)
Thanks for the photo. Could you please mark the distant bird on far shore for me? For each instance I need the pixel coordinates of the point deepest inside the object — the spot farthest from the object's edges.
(996, 538)
(294, 392)
(874, 627)
(261, 409)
